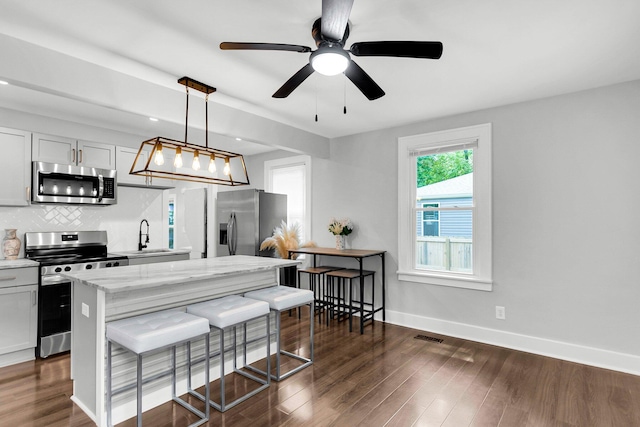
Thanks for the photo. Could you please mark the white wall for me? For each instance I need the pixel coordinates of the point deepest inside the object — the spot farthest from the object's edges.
(566, 236)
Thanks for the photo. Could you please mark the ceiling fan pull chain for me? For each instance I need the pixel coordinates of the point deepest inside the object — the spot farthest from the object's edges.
(316, 103)
(344, 111)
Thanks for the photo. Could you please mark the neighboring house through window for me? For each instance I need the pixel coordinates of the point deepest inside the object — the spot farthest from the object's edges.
(444, 227)
(430, 220)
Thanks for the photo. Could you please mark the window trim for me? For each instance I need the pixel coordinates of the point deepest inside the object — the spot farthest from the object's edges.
(286, 162)
(447, 140)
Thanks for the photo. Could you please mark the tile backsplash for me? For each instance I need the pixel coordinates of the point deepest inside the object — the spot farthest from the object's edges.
(121, 221)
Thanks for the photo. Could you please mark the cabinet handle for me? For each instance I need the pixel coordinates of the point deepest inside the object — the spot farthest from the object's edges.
(79, 156)
(6, 279)
(34, 297)
(73, 155)
(28, 193)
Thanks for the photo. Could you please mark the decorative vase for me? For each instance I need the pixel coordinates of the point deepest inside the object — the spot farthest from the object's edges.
(10, 244)
(339, 242)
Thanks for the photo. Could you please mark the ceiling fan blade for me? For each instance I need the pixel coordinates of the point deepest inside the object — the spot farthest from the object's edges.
(294, 82)
(335, 16)
(407, 49)
(264, 46)
(367, 86)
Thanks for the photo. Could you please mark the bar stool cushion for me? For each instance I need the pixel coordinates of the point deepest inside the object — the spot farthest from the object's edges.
(156, 330)
(228, 311)
(282, 297)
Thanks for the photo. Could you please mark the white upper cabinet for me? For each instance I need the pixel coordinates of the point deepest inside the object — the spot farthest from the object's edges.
(56, 149)
(96, 155)
(15, 167)
(125, 157)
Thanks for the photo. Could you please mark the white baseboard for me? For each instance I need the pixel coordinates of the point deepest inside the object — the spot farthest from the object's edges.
(600, 358)
(17, 357)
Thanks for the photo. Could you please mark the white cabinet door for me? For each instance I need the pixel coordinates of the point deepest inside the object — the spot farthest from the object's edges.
(18, 318)
(124, 159)
(67, 151)
(54, 149)
(15, 167)
(96, 155)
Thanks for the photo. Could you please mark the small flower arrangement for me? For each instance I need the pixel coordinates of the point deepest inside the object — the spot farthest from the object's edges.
(284, 238)
(340, 227)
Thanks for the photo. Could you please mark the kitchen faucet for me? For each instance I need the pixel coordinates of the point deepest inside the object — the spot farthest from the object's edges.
(140, 245)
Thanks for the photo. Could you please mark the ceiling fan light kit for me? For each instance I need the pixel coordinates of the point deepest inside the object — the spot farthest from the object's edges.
(150, 159)
(330, 33)
(329, 61)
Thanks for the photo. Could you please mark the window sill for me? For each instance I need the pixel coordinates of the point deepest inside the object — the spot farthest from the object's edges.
(473, 283)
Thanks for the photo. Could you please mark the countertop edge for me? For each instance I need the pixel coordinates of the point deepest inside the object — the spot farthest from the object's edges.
(147, 276)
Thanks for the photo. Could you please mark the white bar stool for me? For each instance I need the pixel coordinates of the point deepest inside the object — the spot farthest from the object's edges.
(281, 298)
(229, 312)
(148, 334)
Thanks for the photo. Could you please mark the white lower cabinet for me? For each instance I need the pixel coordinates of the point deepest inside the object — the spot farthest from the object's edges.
(18, 317)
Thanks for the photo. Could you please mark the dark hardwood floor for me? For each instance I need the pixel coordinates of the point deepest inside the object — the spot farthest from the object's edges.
(385, 377)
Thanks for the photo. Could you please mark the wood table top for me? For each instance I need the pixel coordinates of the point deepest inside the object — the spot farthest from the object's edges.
(352, 253)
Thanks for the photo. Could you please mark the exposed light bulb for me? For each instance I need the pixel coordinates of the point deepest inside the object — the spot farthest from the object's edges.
(177, 162)
(212, 164)
(196, 161)
(159, 159)
(55, 189)
(227, 167)
(68, 189)
(81, 191)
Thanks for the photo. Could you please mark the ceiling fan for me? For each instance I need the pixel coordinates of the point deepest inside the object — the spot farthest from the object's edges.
(330, 32)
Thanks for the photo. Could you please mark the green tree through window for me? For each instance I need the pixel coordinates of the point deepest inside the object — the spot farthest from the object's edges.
(440, 167)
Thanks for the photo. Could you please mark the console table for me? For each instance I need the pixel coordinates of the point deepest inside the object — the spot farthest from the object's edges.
(357, 254)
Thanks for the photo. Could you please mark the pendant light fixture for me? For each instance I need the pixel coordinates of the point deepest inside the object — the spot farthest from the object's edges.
(187, 157)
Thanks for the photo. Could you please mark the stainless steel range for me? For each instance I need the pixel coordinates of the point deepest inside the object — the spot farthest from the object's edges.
(59, 252)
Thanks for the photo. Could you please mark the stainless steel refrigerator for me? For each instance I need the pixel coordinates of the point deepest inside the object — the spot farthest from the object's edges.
(247, 217)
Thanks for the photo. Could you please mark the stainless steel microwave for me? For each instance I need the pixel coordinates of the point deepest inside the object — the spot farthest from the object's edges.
(80, 185)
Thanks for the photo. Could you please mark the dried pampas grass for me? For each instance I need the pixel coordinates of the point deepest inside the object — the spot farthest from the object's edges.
(284, 239)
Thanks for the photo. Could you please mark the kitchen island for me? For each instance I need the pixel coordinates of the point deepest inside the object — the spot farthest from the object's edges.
(102, 296)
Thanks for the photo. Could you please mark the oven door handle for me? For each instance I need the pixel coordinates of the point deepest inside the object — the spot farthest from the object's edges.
(54, 280)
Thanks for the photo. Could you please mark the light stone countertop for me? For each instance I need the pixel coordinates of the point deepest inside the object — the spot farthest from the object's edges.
(17, 263)
(151, 253)
(135, 277)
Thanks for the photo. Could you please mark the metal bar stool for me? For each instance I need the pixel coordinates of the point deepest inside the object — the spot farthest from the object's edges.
(317, 284)
(150, 333)
(281, 298)
(367, 309)
(229, 312)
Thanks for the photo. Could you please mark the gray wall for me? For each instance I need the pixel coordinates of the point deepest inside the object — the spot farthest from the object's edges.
(563, 167)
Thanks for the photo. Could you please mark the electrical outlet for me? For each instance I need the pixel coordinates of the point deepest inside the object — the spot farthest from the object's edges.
(500, 312)
(85, 310)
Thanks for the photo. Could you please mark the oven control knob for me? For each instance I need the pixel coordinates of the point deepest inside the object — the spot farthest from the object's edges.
(88, 266)
(67, 268)
(115, 264)
(58, 270)
(108, 264)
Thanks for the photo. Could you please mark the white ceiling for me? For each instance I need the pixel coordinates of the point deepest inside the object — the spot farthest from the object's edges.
(496, 52)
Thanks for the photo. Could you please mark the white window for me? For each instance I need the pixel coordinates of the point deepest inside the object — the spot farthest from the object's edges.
(292, 176)
(461, 255)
